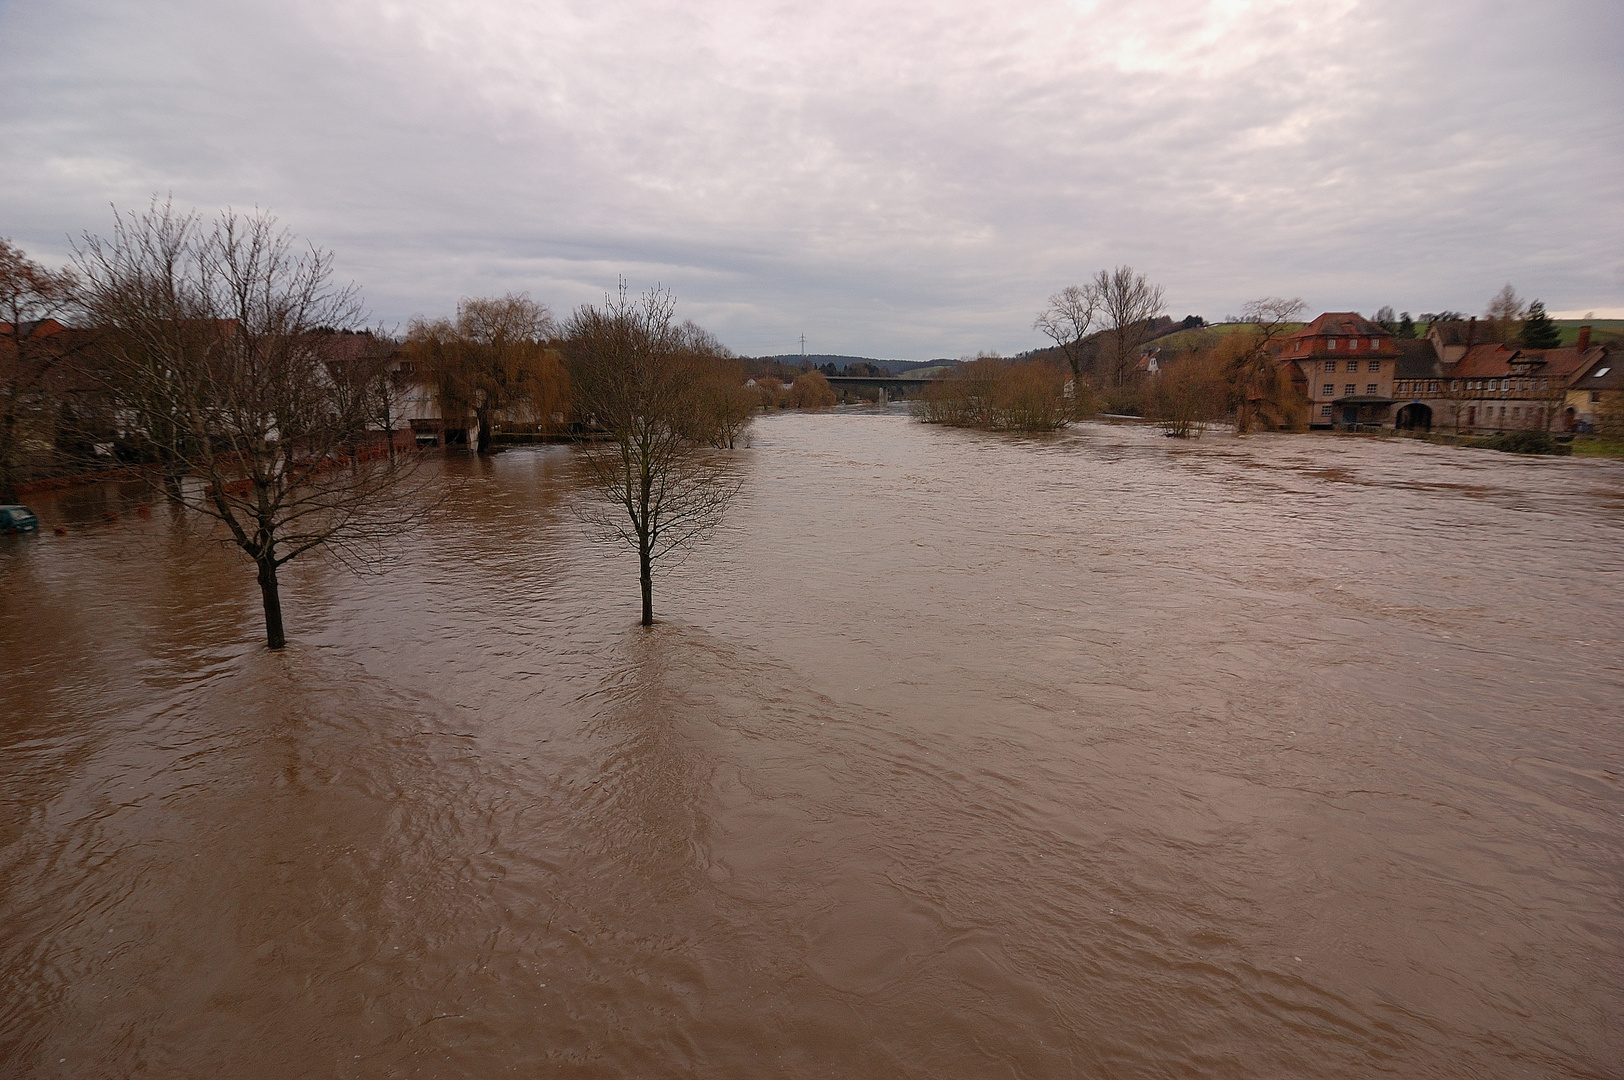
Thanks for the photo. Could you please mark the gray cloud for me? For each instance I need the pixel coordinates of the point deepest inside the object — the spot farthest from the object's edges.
(905, 180)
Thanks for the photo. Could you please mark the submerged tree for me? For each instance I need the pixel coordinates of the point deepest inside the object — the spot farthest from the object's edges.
(637, 376)
(1188, 394)
(811, 390)
(493, 358)
(996, 394)
(724, 405)
(218, 344)
(1263, 394)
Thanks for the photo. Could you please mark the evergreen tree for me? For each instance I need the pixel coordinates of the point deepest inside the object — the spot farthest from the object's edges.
(1406, 325)
(1539, 331)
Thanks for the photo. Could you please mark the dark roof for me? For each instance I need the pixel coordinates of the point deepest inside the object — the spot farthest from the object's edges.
(1363, 399)
(1495, 361)
(1604, 373)
(1454, 332)
(1342, 324)
(32, 328)
(1417, 359)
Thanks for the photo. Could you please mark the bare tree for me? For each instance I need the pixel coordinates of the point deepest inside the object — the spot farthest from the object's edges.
(1503, 318)
(633, 377)
(216, 342)
(31, 297)
(1263, 395)
(1067, 321)
(494, 357)
(386, 383)
(1128, 304)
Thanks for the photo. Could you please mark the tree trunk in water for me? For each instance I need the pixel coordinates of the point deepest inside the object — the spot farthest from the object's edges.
(647, 571)
(8, 479)
(484, 432)
(274, 637)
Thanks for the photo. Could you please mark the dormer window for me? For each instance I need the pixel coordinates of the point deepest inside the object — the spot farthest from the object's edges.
(1331, 344)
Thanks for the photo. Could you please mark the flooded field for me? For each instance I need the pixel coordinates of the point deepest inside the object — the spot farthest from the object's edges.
(953, 756)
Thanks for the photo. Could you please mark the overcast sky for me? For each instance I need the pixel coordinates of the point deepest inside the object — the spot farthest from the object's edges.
(890, 179)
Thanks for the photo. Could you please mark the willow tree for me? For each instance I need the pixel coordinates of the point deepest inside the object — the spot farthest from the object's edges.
(492, 359)
(1263, 392)
(219, 347)
(642, 380)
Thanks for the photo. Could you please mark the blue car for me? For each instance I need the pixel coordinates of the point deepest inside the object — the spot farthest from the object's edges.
(16, 519)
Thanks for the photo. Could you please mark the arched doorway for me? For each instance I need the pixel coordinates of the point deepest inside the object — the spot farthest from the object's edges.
(1414, 417)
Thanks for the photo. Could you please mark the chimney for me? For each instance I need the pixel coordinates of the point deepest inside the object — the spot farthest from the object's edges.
(1471, 331)
(1584, 338)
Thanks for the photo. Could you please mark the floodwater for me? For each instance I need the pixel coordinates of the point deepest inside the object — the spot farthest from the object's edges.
(956, 755)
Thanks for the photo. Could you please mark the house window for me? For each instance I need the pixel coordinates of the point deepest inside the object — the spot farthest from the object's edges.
(1330, 365)
(1375, 343)
(1370, 388)
(1454, 384)
(1516, 413)
(1329, 389)
(1354, 344)
(1432, 388)
(1299, 347)
(1331, 344)
(1595, 397)
(1325, 410)
(1351, 389)
(1375, 365)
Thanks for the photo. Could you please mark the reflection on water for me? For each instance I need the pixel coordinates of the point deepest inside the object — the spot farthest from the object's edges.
(953, 756)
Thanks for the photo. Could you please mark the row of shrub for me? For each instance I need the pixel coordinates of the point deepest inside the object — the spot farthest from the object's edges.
(1005, 395)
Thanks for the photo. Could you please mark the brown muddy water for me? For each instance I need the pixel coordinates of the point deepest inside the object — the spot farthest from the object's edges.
(955, 756)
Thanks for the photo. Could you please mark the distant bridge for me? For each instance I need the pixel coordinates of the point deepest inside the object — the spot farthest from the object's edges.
(895, 387)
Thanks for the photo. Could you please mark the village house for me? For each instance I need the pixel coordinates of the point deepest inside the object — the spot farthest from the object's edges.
(1355, 374)
(1344, 364)
(1492, 388)
(1595, 399)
